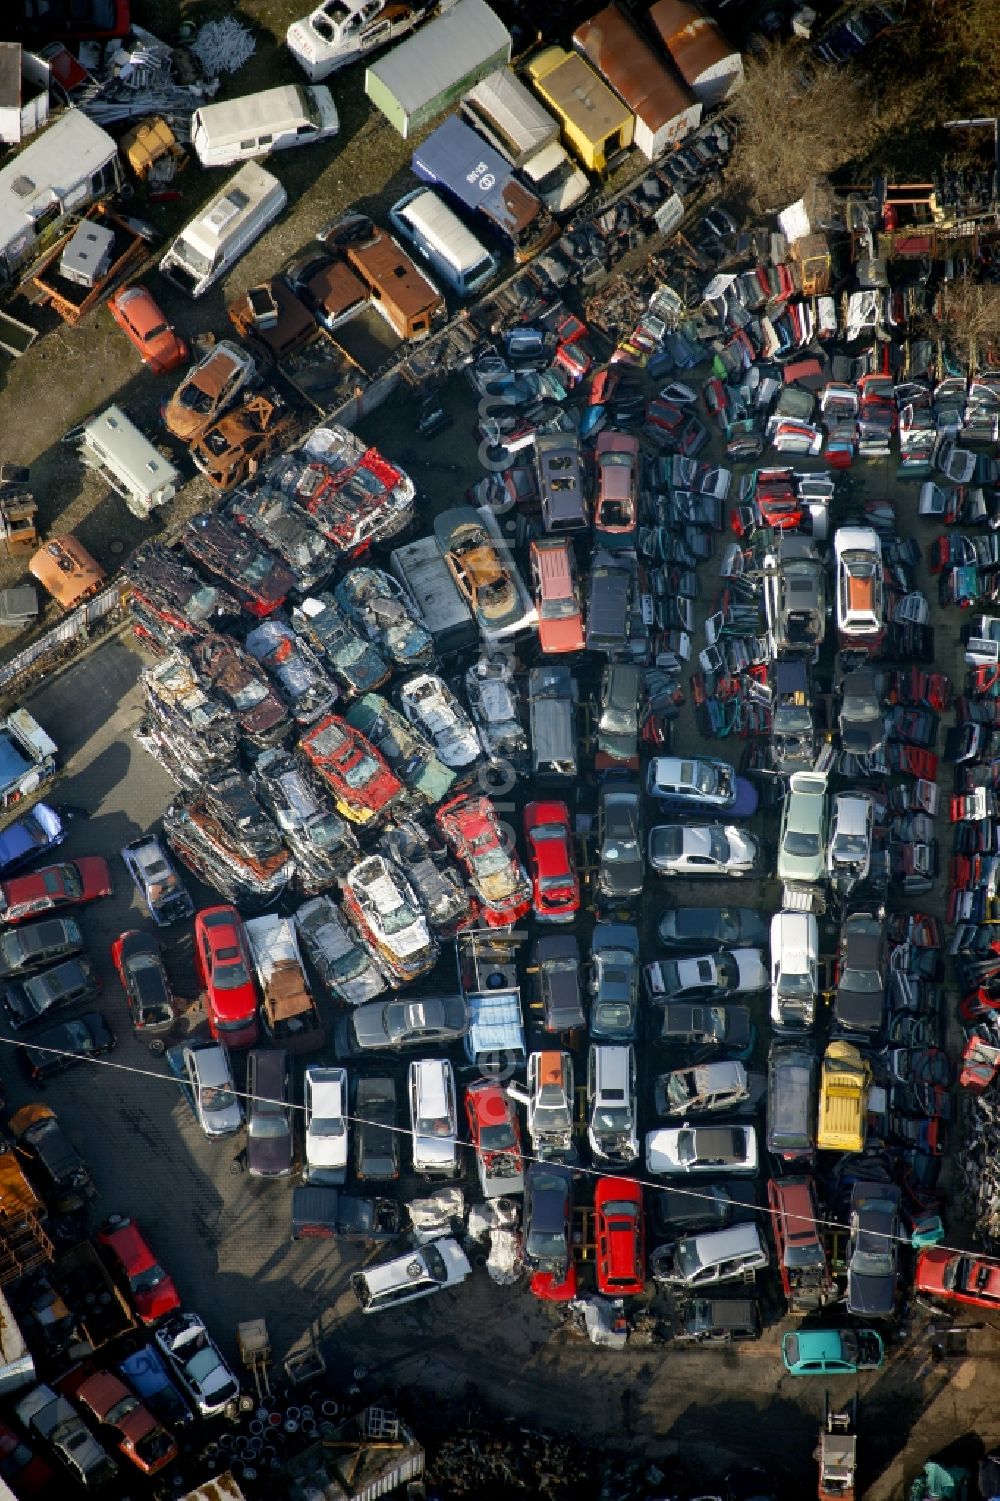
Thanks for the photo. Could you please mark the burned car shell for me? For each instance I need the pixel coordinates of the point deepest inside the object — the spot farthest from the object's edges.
(307, 690)
(170, 600)
(382, 903)
(493, 706)
(439, 887)
(254, 573)
(233, 676)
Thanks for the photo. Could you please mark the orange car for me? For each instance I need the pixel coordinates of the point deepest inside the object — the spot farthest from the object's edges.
(140, 1437)
(207, 390)
(138, 315)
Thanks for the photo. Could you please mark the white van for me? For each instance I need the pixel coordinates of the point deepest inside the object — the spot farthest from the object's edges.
(442, 239)
(415, 1274)
(128, 462)
(434, 1118)
(254, 124)
(207, 247)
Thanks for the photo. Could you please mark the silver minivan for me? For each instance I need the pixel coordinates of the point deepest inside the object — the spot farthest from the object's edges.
(705, 1260)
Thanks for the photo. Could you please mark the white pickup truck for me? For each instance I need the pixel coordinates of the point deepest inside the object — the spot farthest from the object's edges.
(288, 1010)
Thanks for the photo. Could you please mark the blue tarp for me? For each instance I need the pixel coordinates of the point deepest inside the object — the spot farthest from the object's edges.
(34, 834)
(495, 1025)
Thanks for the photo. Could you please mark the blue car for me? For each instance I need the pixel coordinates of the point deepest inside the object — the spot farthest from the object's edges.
(36, 833)
(146, 1372)
(832, 1352)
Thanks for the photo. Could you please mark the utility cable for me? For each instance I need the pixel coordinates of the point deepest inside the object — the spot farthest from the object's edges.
(577, 1169)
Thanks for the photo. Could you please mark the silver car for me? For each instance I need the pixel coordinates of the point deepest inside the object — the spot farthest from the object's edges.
(213, 1094)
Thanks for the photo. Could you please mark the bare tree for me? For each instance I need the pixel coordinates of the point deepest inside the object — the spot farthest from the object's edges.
(796, 124)
(970, 313)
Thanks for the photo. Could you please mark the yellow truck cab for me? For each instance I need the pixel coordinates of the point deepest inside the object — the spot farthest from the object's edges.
(845, 1079)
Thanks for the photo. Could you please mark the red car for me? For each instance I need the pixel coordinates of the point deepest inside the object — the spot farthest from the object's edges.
(621, 1238)
(616, 511)
(138, 315)
(555, 885)
(153, 1291)
(544, 1285)
(958, 1277)
(470, 827)
(363, 787)
(495, 1133)
(557, 595)
(140, 1437)
(222, 961)
(69, 884)
(20, 1466)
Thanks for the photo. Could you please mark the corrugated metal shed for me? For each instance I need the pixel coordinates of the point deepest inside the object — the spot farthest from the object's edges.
(418, 80)
(704, 58)
(665, 109)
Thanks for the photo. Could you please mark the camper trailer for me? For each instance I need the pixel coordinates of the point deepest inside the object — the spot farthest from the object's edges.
(215, 240)
(128, 462)
(67, 167)
(482, 182)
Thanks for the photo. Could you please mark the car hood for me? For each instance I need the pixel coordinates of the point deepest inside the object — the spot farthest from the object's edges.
(434, 1149)
(752, 969)
(872, 1296)
(270, 1156)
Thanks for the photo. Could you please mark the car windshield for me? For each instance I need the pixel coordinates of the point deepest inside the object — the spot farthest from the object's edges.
(498, 1138)
(248, 695)
(680, 1088)
(63, 878)
(148, 1279)
(719, 846)
(795, 987)
(797, 843)
(850, 847)
(559, 609)
(214, 1098)
(619, 720)
(861, 706)
(398, 919)
(872, 1262)
(230, 976)
(546, 1245)
(612, 1122)
(269, 1127)
(433, 1125)
(361, 772)
(867, 980)
(686, 1258)
(713, 780)
(553, 1117)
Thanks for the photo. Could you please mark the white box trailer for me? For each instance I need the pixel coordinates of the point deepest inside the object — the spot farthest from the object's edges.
(214, 241)
(68, 166)
(112, 445)
(507, 114)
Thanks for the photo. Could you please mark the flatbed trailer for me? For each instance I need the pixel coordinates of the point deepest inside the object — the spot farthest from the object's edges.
(73, 301)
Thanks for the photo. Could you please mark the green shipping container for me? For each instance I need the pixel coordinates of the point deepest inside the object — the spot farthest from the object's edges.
(422, 77)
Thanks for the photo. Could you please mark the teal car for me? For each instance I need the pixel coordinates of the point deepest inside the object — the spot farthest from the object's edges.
(407, 752)
(832, 1352)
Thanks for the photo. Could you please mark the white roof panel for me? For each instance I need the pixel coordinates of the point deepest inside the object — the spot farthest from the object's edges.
(441, 53)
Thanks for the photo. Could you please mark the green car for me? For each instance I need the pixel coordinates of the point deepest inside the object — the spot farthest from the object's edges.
(832, 1352)
(407, 752)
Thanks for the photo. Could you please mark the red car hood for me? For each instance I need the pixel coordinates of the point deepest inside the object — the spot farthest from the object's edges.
(95, 875)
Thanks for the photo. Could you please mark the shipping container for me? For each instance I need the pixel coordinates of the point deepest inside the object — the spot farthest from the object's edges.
(423, 76)
(703, 57)
(596, 125)
(664, 107)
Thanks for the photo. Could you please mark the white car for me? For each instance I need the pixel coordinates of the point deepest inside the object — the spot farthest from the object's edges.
(434, 1117)
(612, 1106)
(192, 1357)
(675, 1150)
(703, 1088)
(325, 1097)
(415, 1274)
(711, 849)
(381, 901)
(494, 707)
(794, 969)
(213, 1094)
(802, 844)
(706, 977)
(429, 703)
(549, 1098)
(849, 855)
(860, 587)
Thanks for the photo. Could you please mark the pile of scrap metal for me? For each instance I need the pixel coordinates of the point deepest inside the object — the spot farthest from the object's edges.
(354, 495)
(442, 893)
(223, 834)
(169, 602)
(324, 845)
(189, 733)
(144, 76)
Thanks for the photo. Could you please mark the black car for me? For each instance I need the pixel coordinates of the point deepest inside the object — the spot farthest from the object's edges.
(57, 1162)
(859, 1005)
(728, 1027)
(144, 981)
(415, 1022)
(618, 712)
(710, 1206)
(709, 929)
(27, 1001)
(548, 1214)
(872, 1252)
(619, 843)
(556, 962)
(376, 1141)
(23, 950)
(270, 1141)
(862, 718)
(70, 1042)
